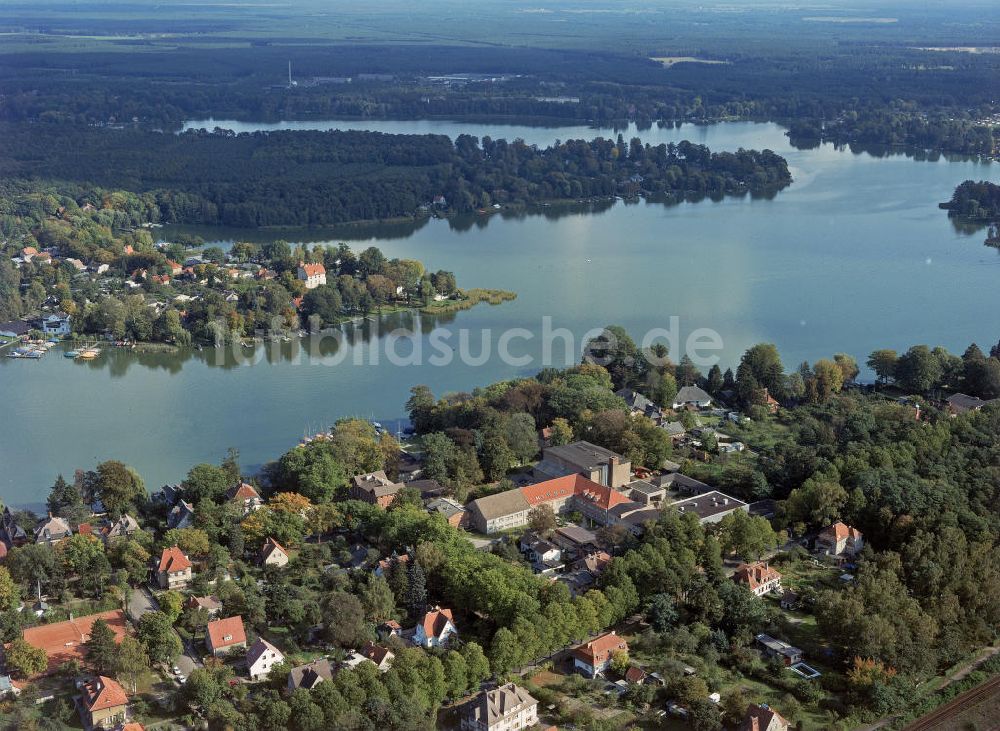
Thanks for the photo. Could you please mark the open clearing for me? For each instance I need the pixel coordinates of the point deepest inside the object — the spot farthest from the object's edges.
(669, 61)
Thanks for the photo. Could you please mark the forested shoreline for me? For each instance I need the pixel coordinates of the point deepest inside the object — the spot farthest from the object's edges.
(319, 178)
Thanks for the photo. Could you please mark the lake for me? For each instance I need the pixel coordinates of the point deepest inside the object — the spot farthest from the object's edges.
(853, 256)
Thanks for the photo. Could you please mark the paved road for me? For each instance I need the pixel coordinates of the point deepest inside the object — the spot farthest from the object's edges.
(141, 602)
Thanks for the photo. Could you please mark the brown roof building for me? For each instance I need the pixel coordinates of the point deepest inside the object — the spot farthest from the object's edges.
(374, 488)
(594, 657)
(174, 570)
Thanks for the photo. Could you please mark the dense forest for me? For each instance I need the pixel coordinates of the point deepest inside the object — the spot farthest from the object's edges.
(317, 178)
(976, 201)
(852, 92)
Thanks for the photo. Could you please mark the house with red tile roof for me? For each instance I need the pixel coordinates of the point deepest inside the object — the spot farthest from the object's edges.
(174, 570)
(840, 540)
(225, 635)
(245, 496)
(103, 703)
(65, 641)
(594, 657)
(272, 554)
(758, 577)
(210, 604)
(313, 275)
(510, 509)
(435, 628)
(763, 718)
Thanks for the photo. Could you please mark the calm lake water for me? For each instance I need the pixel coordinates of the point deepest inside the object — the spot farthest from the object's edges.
(853, 256)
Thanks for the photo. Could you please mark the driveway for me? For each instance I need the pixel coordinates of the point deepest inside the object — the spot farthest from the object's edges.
(141, 602)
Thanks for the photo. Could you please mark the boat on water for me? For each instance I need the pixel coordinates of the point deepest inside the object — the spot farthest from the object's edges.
(71, 354)
(89, 353)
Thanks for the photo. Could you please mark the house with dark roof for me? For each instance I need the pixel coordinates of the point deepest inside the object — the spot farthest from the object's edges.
(506, 708)
(122, 528)
(692, 396)
(772, 647)
(597, 464)
(310, 675)
(382, 657)
(452, 511)
(961, 403)
(103, 703)
(435, 628)
(374, 488)
(710, 507)
(174, 570)
(261, 658)
(639, 404)
(181, 515)
(225, 635)
(594, 657)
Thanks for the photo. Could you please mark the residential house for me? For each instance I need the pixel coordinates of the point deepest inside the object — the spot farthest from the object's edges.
(710, 507)
(635, 675)
(181, 515)
(385, 565)
(680, 483)
(789, 600)
(574, 539)
(507, 708)
(597, 464)
(960, 403)
(435, 628)
(692, 396)
(453, 512)
(675, 430)
(772, 647)
(65, 641)
(210, 604)
(840, 540)
(314, 275)
(389, 628)
(122, 528)
(593, 658)
(310, 675)
(174, 570)
(8, 688)
(103, 703)
(381, 656)
(14, 329)
(52, 530)
(595, 562)
(225, 635)
(763, 718)
(639, 404)
(374, 488)
(758, 577)
(261, 657)
(272, 554)
(55, 323)
(538, 549)
(245, 496)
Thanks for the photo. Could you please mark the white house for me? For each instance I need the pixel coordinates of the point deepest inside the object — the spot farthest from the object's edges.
(313, 275)
(261, 657)
(594, 657)
(56, 323)
(507, 708)
(435, 628)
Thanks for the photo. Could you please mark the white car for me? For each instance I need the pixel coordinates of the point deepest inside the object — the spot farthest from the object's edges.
(177, 670)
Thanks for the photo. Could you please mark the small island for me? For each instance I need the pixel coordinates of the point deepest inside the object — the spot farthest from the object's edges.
(977, 203)
(86, 260)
